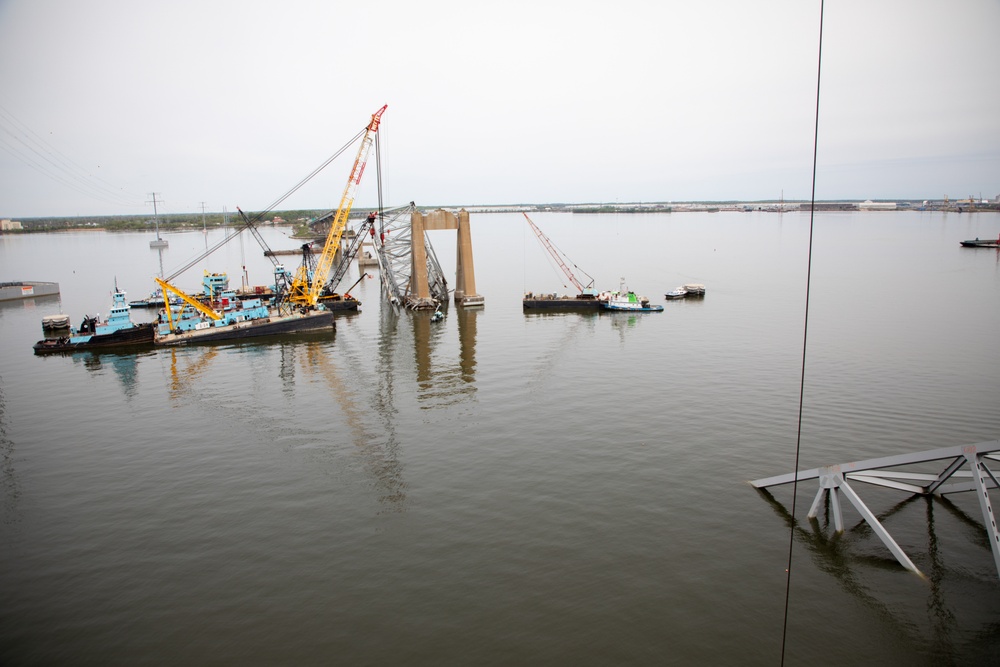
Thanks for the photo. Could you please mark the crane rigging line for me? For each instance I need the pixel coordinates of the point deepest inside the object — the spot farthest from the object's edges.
(805, 340)
(378, 179)
(248, 222)
(312, 174)
(50, 162)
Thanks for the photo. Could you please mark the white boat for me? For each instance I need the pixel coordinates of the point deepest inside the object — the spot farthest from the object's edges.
(678, 293)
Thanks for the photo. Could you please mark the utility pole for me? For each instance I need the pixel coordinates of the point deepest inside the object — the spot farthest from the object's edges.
(204, 227)
(157, 242)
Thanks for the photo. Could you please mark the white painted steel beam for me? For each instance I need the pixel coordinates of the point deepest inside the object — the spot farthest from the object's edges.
(838, 514)
(814, 509)
(978, 467)
(879, 529)
(832, 480)
(887, 483)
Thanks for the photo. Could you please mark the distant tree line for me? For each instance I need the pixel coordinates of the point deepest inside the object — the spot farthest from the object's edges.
(167, 221)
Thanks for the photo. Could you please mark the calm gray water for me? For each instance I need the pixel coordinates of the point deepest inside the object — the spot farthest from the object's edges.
(503, 488)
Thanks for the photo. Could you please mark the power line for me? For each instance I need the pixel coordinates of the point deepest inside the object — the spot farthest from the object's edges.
(25, 144)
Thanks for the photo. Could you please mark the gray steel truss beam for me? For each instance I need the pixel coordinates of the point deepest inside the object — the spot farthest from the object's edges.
(833, 482)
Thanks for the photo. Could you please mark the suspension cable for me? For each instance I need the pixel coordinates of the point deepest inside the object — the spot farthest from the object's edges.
(805, 339)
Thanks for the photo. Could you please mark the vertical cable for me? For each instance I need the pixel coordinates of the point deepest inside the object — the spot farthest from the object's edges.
(805, 338)
(378, 175)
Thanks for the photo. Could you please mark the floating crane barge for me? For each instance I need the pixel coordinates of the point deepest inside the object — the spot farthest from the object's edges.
(304, 302)
(587, 297)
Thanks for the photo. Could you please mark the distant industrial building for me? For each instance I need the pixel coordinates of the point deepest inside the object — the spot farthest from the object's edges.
(7, 225)
(870, 205)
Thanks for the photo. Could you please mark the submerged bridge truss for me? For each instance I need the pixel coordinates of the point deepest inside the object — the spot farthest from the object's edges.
(394, 251)
(409, 267)
(885, 472)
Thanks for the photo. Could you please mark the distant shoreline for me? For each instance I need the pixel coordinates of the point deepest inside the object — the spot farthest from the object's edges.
(301, 218)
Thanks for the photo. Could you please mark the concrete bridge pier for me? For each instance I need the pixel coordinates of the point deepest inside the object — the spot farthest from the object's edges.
(465, 272)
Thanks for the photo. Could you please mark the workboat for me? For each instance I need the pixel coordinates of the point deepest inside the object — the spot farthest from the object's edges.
(154, 300)
(118, 330)
(678, 293)
(251, 321)
(981, 243)
(233, 319)
(213, 286)
(627, 300)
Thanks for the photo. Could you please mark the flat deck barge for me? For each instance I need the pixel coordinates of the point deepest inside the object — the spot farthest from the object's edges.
(557, 302)
(26, 289)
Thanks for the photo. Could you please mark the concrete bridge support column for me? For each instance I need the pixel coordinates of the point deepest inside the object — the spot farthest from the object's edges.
(465, 271)
(465, 279)
(419, 290)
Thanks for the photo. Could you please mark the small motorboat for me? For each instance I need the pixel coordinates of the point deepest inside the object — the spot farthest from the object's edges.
(678, 293)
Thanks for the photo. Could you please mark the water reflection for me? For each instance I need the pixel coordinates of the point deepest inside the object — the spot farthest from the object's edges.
(124, 366)
(622, 322)
(836, 554)
(441, 382)
(42, 304)
(10, 493)
(196, 361)
(543, 367)
(379, 452)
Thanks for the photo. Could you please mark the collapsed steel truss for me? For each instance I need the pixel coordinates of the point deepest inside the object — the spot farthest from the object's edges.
(395, 258)
(833, 482)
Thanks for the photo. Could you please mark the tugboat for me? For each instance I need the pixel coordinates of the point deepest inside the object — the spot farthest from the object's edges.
(118, 330)
(626, 300)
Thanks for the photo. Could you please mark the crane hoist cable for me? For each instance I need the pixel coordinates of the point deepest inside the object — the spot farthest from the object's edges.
(306, 289)
(558, 255)
(248, 223)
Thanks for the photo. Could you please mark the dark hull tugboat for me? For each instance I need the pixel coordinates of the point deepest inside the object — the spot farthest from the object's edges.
(118, 330)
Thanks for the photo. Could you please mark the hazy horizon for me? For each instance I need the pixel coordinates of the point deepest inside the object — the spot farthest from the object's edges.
(224, 104)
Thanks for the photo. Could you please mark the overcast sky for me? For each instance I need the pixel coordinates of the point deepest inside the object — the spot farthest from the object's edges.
(232, 103)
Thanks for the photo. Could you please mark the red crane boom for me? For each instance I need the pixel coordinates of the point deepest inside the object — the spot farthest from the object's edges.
(557, 255)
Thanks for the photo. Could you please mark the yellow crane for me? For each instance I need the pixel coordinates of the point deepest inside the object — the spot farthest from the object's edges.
(305, 289)
(191, 301)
